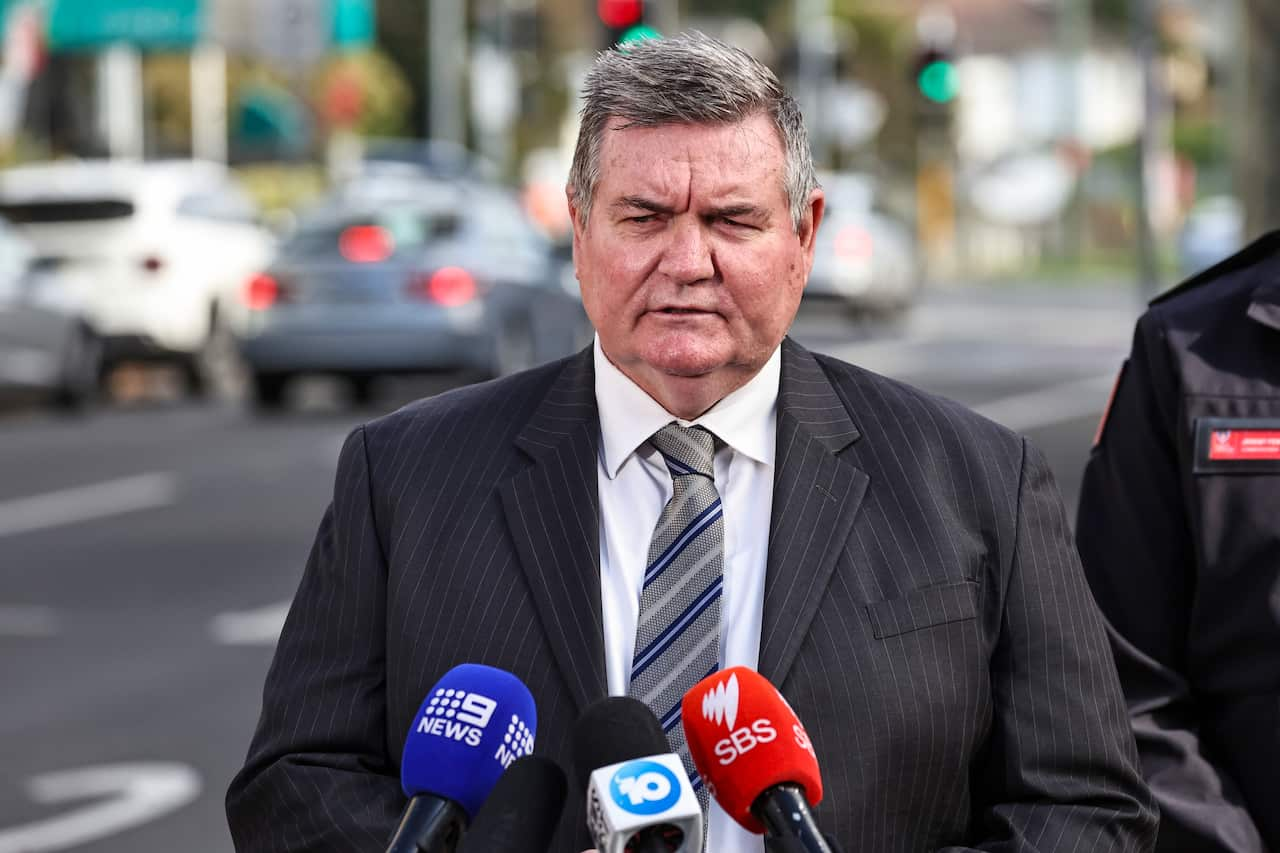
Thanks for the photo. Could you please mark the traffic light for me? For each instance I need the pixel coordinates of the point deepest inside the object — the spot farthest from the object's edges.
(935, 74)
(623, 21)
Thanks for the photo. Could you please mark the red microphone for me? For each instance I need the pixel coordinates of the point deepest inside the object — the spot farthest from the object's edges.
(754, 756)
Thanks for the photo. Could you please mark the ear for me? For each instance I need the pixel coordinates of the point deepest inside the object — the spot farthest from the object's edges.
(808, 231)
(575, 218)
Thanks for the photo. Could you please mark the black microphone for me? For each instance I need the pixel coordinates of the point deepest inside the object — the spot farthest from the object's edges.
(639, 798)
(522, 811)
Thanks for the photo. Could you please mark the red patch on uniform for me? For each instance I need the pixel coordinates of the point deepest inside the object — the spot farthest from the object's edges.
(1252, 444)
(1111, 398)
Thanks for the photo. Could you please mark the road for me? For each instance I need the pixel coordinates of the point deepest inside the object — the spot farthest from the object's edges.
(147, 554)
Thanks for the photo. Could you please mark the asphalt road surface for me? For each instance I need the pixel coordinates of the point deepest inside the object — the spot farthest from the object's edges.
(148, 553)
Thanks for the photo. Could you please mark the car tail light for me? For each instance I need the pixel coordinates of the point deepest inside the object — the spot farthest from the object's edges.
(152, 263)
(366, 244)
(261, 292)
(854, 243)
(448, 286)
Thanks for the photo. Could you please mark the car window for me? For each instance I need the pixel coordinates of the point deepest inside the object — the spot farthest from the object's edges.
(78, 210)
(218, 205)
(408, 228)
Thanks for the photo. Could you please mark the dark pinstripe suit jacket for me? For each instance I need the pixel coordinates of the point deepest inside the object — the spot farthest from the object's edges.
(924, 613)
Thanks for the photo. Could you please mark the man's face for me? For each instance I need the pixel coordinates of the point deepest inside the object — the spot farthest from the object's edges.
(690, 268)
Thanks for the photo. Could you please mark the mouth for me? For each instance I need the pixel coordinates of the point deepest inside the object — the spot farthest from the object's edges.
(682, 312)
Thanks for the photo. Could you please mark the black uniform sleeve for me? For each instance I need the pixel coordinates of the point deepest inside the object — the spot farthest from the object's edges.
(1136, 540)
(318, 776)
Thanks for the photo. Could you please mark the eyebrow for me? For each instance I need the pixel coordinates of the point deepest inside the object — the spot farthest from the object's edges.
(728, 211)
(642, 203)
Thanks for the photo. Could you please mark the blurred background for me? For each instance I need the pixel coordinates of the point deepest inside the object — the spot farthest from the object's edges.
(231, 230)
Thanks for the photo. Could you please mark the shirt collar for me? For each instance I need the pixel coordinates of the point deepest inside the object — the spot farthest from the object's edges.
(745, 420)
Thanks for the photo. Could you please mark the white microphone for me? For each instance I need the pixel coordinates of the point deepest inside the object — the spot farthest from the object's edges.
(642, 805)
(639, 799)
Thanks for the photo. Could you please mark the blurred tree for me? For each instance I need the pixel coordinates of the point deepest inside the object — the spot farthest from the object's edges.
(364, 91)
(402, 33)
(166, 87)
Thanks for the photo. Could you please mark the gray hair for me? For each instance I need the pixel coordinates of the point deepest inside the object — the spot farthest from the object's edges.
(689, 79)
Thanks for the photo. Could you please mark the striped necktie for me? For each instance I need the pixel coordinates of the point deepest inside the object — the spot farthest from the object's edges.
(678, 634)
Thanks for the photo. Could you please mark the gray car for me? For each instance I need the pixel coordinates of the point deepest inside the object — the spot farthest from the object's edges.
(48, 345)
(423, 277)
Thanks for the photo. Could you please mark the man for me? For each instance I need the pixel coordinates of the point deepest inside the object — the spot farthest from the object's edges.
(696, 491)
(1179, 530)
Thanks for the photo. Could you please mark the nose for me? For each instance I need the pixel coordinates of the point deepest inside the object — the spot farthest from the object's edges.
(687, 257)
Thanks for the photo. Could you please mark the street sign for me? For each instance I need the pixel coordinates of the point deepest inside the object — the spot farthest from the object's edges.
(91, 24)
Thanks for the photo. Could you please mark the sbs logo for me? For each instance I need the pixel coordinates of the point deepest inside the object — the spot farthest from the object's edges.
(720, 703)
(644, 787)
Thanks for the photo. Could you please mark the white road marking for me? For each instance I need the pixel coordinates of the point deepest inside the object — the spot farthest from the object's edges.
(259, 627)
(1052, 405)
(27, 620)
(85, 503)
(126, 795)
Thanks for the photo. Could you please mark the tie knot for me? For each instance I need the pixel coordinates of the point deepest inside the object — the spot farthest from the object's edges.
(687, 450)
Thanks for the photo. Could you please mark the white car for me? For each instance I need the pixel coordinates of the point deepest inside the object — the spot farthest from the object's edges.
(864, 258)
(47, 343)
(169, 246)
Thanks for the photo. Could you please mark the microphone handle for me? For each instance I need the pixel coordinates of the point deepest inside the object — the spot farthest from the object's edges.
(430, 825)
(657, 839)
(785, 814)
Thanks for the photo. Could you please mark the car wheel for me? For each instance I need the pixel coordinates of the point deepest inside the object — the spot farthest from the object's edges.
(215, 369)
(81, 371)
(361, 390)
(267, 390)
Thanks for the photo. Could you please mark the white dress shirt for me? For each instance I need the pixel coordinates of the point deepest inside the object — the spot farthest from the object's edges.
(635, 486)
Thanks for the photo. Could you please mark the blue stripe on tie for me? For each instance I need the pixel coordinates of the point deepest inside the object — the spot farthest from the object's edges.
(671, 718)
(673, 631)
(696, 781)
(675, 463)
(701, 522)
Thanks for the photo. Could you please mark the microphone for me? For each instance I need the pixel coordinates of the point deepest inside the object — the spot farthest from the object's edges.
(639, 799)
(522, 811)
(755, 757)
(473, 724)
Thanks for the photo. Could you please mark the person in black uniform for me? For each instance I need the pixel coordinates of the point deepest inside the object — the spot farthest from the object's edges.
(1179, 532)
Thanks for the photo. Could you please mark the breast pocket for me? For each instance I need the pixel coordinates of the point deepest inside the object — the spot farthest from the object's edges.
(924, 608)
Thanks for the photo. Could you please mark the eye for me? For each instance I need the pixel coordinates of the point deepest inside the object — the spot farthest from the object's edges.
(642, 220)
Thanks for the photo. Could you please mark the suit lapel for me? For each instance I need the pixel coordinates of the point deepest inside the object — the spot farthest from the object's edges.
(553, 512)
(815, 498)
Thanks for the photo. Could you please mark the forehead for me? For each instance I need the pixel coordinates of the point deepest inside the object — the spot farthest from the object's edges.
(739, 157)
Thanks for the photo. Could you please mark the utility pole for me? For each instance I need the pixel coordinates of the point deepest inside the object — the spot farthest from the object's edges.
(1143, 27)
(1258, 174)
(447, 48)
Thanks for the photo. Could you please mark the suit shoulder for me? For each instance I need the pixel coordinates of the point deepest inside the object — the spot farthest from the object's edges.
(512, 399)
(871, 396)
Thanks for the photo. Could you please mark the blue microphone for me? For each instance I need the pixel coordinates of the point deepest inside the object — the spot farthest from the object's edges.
(473, 724)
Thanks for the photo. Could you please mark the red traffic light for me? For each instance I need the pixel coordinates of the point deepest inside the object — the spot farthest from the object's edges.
(620, 13)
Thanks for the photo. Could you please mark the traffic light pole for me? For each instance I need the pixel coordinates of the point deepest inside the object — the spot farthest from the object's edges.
(447, 49)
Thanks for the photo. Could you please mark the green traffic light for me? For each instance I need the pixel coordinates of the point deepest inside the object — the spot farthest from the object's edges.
(639, 32)
(939, 81)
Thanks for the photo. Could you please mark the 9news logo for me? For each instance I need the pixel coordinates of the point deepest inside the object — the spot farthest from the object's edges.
(464, 717)
(644, 787)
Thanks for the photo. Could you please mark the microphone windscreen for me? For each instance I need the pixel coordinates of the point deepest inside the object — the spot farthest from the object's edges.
(744, 739)
(613, 730)
(473, 724)
(522, 810)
